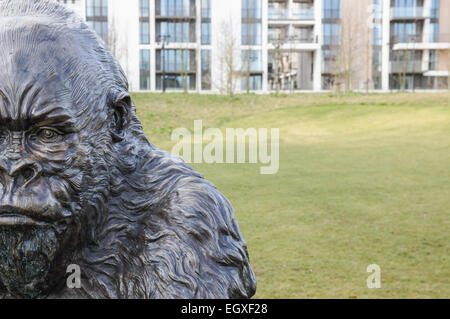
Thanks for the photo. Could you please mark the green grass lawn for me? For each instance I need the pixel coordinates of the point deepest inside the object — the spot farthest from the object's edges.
(362, 180)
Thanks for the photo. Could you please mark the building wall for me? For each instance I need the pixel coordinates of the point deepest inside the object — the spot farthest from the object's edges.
(444, 35)
(226, 24)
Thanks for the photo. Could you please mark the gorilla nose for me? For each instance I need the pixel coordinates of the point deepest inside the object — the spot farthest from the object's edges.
(19, 174)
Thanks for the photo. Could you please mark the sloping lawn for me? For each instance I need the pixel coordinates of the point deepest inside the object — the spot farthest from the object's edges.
(362, 180)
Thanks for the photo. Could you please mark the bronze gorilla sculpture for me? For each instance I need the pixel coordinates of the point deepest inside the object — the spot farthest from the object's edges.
(80, 184)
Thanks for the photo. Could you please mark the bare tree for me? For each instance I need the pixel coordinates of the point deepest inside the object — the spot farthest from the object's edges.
(349, 49)
(112, 40)
(229, 51)
(448, 67)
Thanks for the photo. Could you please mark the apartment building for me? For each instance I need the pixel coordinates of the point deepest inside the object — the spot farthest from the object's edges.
(275, 45)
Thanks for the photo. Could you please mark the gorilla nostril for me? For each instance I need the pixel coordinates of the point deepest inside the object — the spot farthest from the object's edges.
(27, 173)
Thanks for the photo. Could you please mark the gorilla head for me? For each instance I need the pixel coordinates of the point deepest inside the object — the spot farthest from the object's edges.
(80, 183)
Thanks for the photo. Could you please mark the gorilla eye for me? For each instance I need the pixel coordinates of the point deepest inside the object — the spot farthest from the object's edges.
(3, 136)
(49, 136)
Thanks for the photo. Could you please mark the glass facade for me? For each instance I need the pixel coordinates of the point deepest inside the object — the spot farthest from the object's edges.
(206, 22)
(180, 20)
(432, 61)
(175, 8)
(331, 9)
(377, 40)
(434, 14)
(144, 69)
(252, 69)
(97, 17)
(179, 66)
(407, 8)
(331, 34)
(178, 31)
(206, 69)
(176, 60)
(251, 31)
(406, 32)
(331, 39)
(144, 22)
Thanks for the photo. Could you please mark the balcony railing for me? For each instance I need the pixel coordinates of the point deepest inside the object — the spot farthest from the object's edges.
(413, 66)
(282, 14)
(304, 14)
(411, 38)
(291, 40)
(407, 12)
(276, 14)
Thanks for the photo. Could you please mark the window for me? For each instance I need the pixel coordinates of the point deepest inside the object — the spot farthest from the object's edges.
(376, 67)
(144, 32)
(176, 60)
(251, 22)
(144, 22)
(434, 31)
(206, 33)
(434, 9)
(206, 22)
(206, 9)
(329, 58)
(206, 69)
(409, 32)
(332, 9)
(175, 8)
(254, 82)
(433, 60)
(176, 82)
(144, 8)
(251, 34)
(251, 60)
(251, 9)
(378, 9)
(144, 66)
(407, 8)
(181, 31)
(97, 17)
(331, 34)
(377, 34)
(179, 67)
(251, 64)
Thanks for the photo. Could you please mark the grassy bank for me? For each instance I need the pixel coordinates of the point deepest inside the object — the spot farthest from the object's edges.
(362, 180)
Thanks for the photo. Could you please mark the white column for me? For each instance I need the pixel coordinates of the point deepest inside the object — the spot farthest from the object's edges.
(317, 85)
(123, 18)
(198, 31)
(152, 45)
(427, 22)
(385, 45)
(82, 9)
(264, 49)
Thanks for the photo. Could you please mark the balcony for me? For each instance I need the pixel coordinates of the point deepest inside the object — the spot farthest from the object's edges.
(406, 13)
(408, 38)
(413, 66)
(304, 14)
(299, 14)
(291, 40)
(277, 14)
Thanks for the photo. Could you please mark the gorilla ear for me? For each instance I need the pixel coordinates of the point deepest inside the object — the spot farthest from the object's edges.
(120, 118)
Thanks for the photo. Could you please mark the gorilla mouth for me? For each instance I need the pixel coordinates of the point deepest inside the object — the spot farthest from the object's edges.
(18, 218)
(11, 219)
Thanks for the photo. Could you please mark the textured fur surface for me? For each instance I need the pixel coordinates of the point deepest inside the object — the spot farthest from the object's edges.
(148, 225)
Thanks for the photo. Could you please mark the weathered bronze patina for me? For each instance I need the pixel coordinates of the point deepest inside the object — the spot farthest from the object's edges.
(80, 184)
